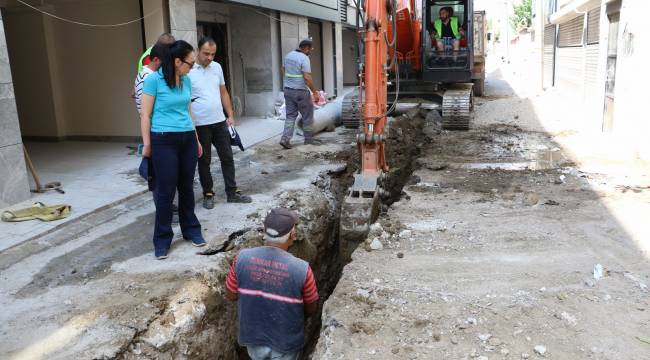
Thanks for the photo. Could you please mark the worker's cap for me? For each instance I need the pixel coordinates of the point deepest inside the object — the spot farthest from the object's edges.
(306, 43)
(279, 222)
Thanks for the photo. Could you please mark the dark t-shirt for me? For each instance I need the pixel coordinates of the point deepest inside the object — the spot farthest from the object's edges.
(273, 287)
(446, 30)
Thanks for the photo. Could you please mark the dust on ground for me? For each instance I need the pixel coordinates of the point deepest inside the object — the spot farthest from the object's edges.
(501, 247)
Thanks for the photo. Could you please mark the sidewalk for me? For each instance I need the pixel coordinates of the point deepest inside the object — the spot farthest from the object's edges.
(98, 175)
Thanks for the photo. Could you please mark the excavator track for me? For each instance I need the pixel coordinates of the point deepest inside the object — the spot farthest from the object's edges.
(351, 112)
(457, 108)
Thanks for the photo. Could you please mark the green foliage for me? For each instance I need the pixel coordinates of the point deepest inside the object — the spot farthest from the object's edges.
(522, 15)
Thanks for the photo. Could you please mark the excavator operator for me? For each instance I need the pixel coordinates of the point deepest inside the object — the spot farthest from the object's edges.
(446, 30)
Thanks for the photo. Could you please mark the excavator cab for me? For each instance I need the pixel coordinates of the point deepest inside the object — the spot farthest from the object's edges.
(447, 48)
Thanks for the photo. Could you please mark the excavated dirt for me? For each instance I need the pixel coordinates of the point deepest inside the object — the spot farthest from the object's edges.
(499, 248)
(209, 329)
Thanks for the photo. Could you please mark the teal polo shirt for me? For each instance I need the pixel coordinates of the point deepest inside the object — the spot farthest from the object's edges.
(171, 106)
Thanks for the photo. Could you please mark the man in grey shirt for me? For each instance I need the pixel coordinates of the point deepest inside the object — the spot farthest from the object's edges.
(296, 70)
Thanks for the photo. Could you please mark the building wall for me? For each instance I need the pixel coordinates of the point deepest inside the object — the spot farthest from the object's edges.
(632, 76)
(292, 29)
(252, 60)
(338, 56)
(35, 111)
(316, 57)
(156, 23)
(350, 66)
(14, 184)
(78, 84)
(98, 67)
(318, 9)
(329, 77)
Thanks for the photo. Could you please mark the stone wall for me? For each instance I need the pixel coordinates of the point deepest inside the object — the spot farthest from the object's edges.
(14, 186)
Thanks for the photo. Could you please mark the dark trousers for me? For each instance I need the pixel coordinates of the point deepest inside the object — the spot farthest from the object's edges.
(298, 101)
(174, 156)
(219, 136)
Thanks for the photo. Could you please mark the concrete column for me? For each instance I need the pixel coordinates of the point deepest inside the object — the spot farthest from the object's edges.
(329, 52)
(338, 42)
(14, 186)
(292, 29)
(276, 56)
(155, 24)
(182, 20)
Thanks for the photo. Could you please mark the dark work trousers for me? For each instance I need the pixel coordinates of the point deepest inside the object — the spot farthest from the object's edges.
(219, 136)
(174, 156)
(298, 101)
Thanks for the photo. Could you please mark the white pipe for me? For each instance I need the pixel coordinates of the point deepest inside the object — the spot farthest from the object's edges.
(325, 117)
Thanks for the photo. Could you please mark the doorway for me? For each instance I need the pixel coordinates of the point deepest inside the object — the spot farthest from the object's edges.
(218, 32)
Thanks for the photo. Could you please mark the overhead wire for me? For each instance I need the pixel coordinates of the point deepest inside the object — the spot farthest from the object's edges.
(84, 23)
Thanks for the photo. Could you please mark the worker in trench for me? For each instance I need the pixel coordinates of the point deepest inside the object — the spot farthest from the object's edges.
(275, 291)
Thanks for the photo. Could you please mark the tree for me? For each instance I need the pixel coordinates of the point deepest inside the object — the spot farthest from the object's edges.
(522, 15)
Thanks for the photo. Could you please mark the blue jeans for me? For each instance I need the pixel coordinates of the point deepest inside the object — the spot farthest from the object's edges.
(174, 156)
(266, 353)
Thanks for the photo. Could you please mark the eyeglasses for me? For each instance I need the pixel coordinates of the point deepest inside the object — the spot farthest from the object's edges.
(190, 64)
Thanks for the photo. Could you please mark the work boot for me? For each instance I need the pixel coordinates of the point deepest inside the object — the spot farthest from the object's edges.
(285, 144)
(237, 197)
(208, 201)
(314, 142)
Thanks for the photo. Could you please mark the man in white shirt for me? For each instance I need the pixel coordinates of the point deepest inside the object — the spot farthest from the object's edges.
(209, 99)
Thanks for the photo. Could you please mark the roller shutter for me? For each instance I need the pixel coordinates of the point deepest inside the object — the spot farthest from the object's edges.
(570, 32)
(569, 69)
(593, 26)
(549, 55)
(570, 57)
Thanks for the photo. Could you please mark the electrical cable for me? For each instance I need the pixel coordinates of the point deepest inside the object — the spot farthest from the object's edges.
(87, 24)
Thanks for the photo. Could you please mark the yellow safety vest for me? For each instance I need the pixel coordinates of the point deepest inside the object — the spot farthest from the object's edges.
(454, 27)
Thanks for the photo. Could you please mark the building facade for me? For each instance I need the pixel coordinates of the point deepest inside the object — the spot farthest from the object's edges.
(62, 80)
(595, 51)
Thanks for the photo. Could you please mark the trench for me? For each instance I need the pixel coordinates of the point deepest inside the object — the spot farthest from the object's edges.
(215, 336)
(405, 140)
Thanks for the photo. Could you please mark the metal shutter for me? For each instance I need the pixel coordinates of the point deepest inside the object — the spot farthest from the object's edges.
(593, 26)
(570, 69)
(570, 32)
(592, 56)
(592, 78)
(549, 55)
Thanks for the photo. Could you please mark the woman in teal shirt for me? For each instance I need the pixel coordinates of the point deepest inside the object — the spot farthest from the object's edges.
(170, 141)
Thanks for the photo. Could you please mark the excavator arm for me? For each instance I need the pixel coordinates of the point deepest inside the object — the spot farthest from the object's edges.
(361, 206)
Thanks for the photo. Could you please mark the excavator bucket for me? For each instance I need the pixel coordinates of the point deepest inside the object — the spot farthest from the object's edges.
(360, 208)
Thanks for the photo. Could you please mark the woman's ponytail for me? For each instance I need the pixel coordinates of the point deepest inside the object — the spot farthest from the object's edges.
(169, 53)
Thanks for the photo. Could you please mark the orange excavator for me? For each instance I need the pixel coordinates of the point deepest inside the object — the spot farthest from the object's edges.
(404, 52)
